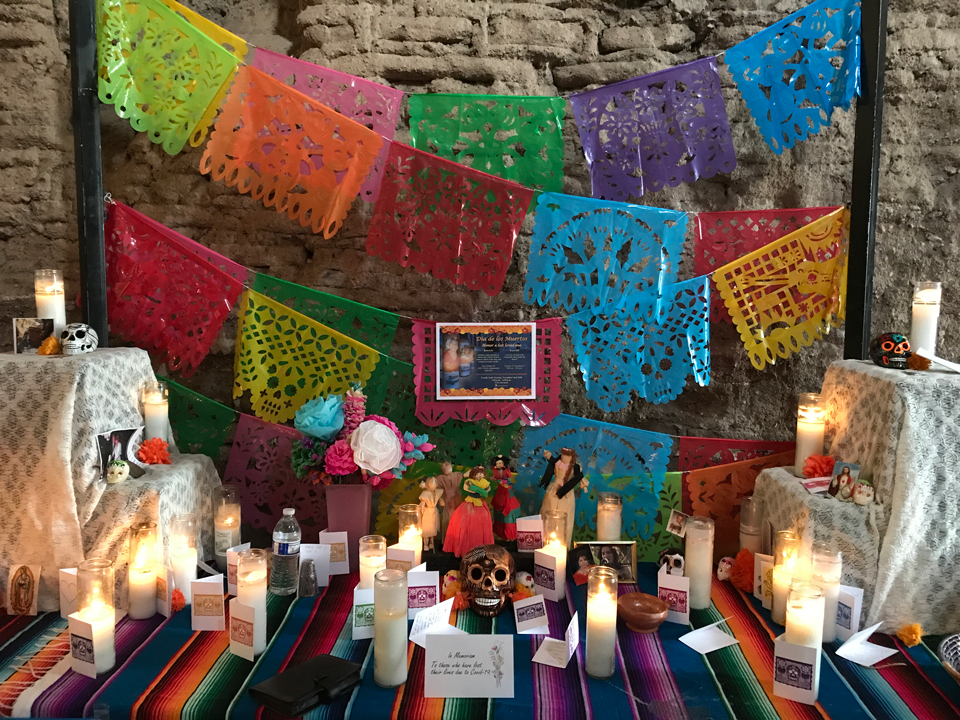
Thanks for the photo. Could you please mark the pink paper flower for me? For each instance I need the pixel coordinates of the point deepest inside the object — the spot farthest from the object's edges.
(339, 459)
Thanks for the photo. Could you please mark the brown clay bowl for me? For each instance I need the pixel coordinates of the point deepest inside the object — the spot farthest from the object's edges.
(643, 613)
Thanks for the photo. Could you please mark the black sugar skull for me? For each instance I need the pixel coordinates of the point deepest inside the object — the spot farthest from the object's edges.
(487, 573)
(890, 350)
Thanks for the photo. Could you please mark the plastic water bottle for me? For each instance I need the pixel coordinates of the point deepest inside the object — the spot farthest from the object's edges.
(285, 568)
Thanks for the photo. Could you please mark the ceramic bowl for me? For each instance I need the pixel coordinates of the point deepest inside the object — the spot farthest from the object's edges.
(949, 654)
(643, 613)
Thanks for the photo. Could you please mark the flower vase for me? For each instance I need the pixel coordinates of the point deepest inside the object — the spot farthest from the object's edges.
(348, 510)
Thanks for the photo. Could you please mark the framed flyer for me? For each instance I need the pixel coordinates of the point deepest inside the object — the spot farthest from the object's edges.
(486, 361)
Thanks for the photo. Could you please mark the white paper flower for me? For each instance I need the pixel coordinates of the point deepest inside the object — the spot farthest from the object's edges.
(375, 447)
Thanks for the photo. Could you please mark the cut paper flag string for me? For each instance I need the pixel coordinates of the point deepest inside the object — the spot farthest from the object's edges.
(655, 131)
(370, 104)
(368, 325)
(587, 253)
(613, 458)
(286, 149)
(160, 295)
(789, 293)
(447, 220)
(646, 343)
(158, 70)
(286, 359)
(699, 452)
(515, 137)
(723, 237)
(793, 74)
(200, 425)
(540, 411)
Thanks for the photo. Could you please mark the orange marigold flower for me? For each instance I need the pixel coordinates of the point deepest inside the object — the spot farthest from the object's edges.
(154, 452)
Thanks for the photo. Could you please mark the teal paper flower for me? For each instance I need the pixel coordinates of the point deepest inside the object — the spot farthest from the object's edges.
(321, 418)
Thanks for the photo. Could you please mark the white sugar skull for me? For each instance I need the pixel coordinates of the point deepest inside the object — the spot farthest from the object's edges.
(863, 493)
(78, 338)
(117, 472)
(723, 569)
(525, 579)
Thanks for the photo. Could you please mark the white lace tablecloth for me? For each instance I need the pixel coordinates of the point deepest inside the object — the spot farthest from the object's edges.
(903, 428)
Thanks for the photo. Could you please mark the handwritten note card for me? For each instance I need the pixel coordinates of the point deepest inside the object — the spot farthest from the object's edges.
(469, 666)
(558, 652)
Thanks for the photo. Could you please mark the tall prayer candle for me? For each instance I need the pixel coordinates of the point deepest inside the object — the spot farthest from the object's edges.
(785, 549)
(183, 552)
(811, 417)
(51, 300)
(226, 522)
(95, 606)
(805, 615)
(373, 559)
(698, 560)
(926, 313)
(410, 535)
(252, 591)
(751, 523)
(601, 622)
(142, 571)
(555, 543)
(827, 571)
(609, 516)
(390, 628)
(155, 410)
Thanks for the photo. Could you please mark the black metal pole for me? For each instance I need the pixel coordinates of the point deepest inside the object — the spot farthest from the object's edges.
(866, 179)
(86, 144)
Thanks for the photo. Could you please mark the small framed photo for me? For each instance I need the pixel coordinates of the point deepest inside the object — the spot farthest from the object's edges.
(843, 479)
(677, 524)
(620, 555)
(29, 333)
(121, 445)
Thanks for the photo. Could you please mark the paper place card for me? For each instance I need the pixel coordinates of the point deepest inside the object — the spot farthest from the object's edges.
(206, 608)
(468, 666)
(423, 589)
(709, 638)
(84, 645)
(558, 652)
(758, 559)
(165, 588)
(674, 590)
(796, 672)
(677, 524)
(546, 579)
(434, 621)
(320, 554)
(362, 614)
(339, 551)
(68, 592)
(233, 558)
(529, 533)
(23, 585)
(243, 620)
(401, 557)
(858, 650)
(766, 568)
(849, 607)
(531, 616)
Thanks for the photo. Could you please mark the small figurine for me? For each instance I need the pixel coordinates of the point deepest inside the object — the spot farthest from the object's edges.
(429, 515)
(845, 489)
(506, 508)
(723, 569)
(863, 493)
(470, 524)
(523, 587)
(117, 471)
(449, 482)
(562, 475)
(843, 480)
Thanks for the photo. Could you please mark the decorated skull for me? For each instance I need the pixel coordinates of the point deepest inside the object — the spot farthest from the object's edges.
(78, 338)
(863, 493)
(672, 558)
(487, 573)
(890, 350)
(117, 472)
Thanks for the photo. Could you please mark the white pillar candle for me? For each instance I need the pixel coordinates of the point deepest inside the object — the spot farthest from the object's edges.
(142, 582)
(50, 298)
(926, 313)
(411, 539)
(698, 561)
(390, 628)
(226, 532)
(102, 619)
(371, 562)
(805, 616)
(252, 592)
(155, 416)
(751, 522)
(601, 622)
(827, 573)
(556, 548)
(750, 540)
(95, 588)
(782, 577)
(609, 517)
(183, 559)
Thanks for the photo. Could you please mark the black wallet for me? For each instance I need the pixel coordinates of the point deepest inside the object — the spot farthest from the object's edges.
(302, 687)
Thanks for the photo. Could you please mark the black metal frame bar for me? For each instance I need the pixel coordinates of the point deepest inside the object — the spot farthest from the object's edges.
(87, 161)
(866, 179)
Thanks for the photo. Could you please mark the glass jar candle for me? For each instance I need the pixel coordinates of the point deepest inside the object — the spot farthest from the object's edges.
(183, 552)
(601, 622)
(252, 591)
(926, 314)
(786, 547)
(154, 397)
(811, 420)
(226, 522)
(50, 297)
(698, 560)
(751, 523)
(408, 527)
(142, 571)
(95, 606)
(805, 615)
(609, 516)
(390, 628)
(827, 572)
(555, 544)
(373, 559)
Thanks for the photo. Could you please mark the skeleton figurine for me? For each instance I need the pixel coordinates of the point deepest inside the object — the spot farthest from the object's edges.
(487, 575)
(78, 338)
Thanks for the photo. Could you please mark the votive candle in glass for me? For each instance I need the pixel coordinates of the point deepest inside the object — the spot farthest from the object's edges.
(609, 516)
(410, 536)
(373, 559)
(252, 591)
(142, 571)
(827, 572)
(226, 522)
(183, 552)
(811, 419)
(95, 606)
(785, 550)
(390, 628)
(698, 560)
(751, 523)
(805, 615)
(156, 406)
(50, 297)
(926, 313)
(555, 543)
(601, 622)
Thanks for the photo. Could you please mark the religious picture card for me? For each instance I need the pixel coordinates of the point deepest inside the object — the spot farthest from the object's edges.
(674, 590)
(29, 334)
(483, 361)
(23, 585)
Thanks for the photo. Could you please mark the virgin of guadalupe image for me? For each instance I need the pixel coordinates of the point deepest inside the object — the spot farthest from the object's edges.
(21, 591)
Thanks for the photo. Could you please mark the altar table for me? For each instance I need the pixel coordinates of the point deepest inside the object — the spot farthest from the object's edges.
(165, 671)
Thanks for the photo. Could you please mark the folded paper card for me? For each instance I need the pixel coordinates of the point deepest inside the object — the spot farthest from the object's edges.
(766, 570)
(401, 557)
(91, 646)
(468, 666)
(796, 672)
(758, 560)
(529, 533)
(423, 589)
(674, 590)
(531, 616)
(165, 588)
(362, 614)
(206, 610)
(558, 652)
(433, 621)
(547, 580)
(68, 591)
(709, 638)
(320, 554)
(233, 556)
(857, 649)
(243, 620)
(849, 606)
(339, 551)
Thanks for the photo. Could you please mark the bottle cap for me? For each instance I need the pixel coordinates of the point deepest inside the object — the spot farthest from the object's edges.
(289, 511)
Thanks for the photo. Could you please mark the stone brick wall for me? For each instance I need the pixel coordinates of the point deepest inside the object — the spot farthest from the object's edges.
(534, 48)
